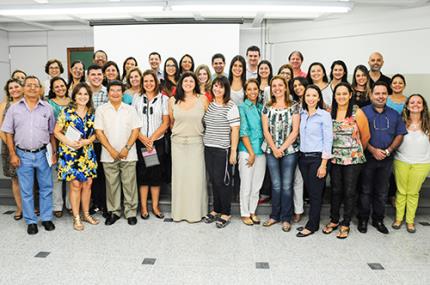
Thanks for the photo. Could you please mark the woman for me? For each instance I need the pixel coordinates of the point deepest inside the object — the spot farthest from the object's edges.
(129, 63)
(316, 140)
(264, 75)
(19, 75)
(286, 71)
(76, 158)
(397, 100)
(76, 75)
(338, 73)
(171, 77)
(134, 81)
(186, 64)
(14, 92)
(110, 72)
(204, 76)
(252, 162)
(222, 122)
(412, 161)
(54, 68)
(350, 137)
(281, 121)
(58, 100)
(186, 111)
(296, 59)
(360, 86)
(318, 76)
(297, 87)
(152, 108)
(237, 79)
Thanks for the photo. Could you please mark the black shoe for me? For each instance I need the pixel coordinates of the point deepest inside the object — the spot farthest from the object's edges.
(362, 226)
(32, 229)
(301, 234)
(111, 219)
(132, 221)
(159, 215)
(144, 216)
(48, 225)
(380, 227)
(105, 214)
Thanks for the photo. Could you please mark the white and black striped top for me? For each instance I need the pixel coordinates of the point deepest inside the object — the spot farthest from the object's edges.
(218, 121)
(151, 112)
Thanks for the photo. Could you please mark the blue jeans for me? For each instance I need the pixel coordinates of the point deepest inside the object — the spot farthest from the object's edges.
(282, 174)
(31, 162)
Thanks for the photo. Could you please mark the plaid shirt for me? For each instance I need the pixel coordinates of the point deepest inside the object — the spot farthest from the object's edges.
(100, 97)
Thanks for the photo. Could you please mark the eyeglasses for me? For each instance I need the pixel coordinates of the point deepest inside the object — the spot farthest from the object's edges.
(385, 126)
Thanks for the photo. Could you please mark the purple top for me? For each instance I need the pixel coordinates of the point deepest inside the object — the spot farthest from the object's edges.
(31, 129)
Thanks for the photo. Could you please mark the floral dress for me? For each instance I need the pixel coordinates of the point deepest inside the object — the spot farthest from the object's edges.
(76, 164)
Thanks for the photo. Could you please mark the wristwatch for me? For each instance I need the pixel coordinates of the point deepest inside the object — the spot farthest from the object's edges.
(128, 147)
(387, 152)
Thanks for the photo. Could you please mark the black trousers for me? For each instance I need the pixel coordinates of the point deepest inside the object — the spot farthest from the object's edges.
(344, 180)
(374, 188)
(98, 193)
(308, 167)
(220, 175)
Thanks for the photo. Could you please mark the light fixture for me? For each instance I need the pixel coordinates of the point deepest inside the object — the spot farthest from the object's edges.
(41, 1)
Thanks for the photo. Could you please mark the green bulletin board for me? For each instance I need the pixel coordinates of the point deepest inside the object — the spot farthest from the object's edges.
(85, 54)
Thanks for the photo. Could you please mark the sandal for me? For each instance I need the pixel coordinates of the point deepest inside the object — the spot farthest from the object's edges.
(89, 219)
(269, 223)
(222, 223)
(301, 234)
(247, 221)
(209, 218)
(396, 225)
(330, 227)
(343, 232)
(286, 226)
(17, 217)
(411, 228)
(77, 225)
(255, 219)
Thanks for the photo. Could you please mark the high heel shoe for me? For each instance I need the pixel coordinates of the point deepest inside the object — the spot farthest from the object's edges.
(89, 219)
(144, 216)
(160, 215)
(77, 224)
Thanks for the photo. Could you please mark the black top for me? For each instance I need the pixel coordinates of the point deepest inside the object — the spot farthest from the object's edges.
(384, 78)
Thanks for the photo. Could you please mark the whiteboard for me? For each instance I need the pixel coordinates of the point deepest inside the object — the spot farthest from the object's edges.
(201, 41)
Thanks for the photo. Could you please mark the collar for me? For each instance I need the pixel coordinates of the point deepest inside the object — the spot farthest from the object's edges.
(121, 106)
(319, 112)
(383, 111)
(39, 102)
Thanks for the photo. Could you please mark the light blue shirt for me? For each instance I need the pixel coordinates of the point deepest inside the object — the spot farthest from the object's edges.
(394, 105)
(250, 126)
(316, 132)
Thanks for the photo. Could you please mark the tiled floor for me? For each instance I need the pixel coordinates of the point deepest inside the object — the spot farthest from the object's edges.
(157, 252)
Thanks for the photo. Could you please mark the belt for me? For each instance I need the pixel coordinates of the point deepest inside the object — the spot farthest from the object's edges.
(32, 150)
(311, 154)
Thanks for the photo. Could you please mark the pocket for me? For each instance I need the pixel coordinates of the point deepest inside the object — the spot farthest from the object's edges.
(41, 121)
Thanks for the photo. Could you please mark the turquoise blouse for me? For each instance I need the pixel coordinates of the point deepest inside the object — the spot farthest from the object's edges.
(250, 126)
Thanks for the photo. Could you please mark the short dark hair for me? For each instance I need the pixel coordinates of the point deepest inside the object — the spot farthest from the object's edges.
(180, 94)
(32, 77)
(224, 83)
(320, 102)
(154, 53)
(399, 75)
(218, 55)
(115, 83)
(93, 67)
(296, 52)
(17, 71)
(309, 78)
(100, 50)
(253, 48)
(379, 83)
(51, 93)
(334, 105)
(52, 61)
(345, 69)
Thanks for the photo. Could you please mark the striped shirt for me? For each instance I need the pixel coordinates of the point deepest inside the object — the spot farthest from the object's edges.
(151, 112)
(218, 120)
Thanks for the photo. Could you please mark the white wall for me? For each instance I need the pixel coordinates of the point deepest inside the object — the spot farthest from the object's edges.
(4, 61)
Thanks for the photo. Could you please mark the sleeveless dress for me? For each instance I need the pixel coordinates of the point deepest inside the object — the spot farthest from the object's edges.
(8, 169)
(189, 192)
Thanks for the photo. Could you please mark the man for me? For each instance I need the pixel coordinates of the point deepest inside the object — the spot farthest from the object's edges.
(253, 58)
(376, 61)
(100, 58)
(29, 127)
(117, 127)
(218, 64)
(100, 97)
(387, 130)
(154, 62)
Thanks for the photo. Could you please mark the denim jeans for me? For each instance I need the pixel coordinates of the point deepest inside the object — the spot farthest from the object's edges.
(30, 163)
(282, 173)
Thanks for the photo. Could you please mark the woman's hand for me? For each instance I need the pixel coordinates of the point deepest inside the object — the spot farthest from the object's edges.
(322, 171)
(277, 153)
(233, 159)
(251, 160)
(75, 144)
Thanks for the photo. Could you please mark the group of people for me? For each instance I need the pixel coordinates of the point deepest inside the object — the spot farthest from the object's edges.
(116, 139)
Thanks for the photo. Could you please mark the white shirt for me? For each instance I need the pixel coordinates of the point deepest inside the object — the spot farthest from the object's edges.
(415, 148)
(117, 126)
(151, 112)
(237, 96)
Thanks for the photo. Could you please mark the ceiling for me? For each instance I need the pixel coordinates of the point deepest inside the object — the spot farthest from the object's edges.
(80, 14)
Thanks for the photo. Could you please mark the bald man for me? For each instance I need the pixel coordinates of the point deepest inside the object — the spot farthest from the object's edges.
(376, 61)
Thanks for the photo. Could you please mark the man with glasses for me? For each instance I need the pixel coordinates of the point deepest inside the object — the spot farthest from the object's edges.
(29, 126)
(117, 127)
(387, 130)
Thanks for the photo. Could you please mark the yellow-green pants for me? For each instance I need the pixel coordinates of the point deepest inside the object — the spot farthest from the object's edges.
(409, 179)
